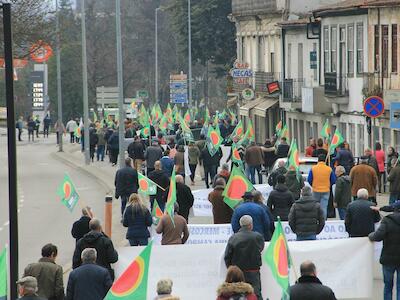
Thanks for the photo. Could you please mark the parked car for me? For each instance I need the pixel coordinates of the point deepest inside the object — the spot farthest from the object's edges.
(306, 163)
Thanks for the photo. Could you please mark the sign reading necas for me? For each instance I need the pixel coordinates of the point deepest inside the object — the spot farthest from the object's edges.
(241, 73)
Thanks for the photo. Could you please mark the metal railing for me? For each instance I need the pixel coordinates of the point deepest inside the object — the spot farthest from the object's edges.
(336, 84)
(292, 89)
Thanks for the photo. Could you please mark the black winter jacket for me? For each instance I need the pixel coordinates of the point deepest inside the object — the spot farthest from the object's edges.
(184, 197)
(209, 160)
(88, 282)
(80, 228)
(389, 233)
(306, 217)
(244, 250)
(310, 288)
(360, 218)
(295, 183)
(274, 175)
(343, 191)
(137, 223)
(136, 150)
(280, 201)
(126, 182)
(345, 158)
(106, 254)
(282, 150)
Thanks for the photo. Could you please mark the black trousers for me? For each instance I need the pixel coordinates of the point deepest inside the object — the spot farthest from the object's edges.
(253, 278)
(193, 171)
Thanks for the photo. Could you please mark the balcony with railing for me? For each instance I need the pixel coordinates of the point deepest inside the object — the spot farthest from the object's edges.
(292, 89)
(261, 80)
(253, 7)
(336, 88)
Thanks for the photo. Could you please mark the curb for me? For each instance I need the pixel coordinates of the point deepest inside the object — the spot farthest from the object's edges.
(60, 156)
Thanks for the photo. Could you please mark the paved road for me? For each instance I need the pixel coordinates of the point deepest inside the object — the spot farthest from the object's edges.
(42, 218)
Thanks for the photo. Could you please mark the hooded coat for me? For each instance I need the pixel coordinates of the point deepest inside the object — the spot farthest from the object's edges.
(343, 191)
(106, 254)
(230, 290)
(294, 183)
(280, 201)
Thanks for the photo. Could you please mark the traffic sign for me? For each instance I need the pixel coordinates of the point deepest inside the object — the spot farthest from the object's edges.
(144, 94)
(248, 94)
(374, 106)
(178, 88)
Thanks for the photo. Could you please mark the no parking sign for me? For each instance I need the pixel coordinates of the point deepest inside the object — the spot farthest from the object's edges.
(374, 106)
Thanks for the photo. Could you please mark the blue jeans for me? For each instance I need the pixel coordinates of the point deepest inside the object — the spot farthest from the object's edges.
(100, 152)
(251, 174)
(323, 199)
(310, 237)
(388, 274)
(139, 242)
(393, 197)
(342, 213)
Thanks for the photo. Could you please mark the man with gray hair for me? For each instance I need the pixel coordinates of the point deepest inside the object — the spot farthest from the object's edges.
(342, 195)
(89, 281)
(244, 250)
(95, 238)
(360, 218)
(27, 287)
(306, 217)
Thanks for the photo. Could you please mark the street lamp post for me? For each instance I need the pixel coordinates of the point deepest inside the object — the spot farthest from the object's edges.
(156, 51)
(59, 95)
(190, 54)
(12, 151)
(85, 87)
(120, 86)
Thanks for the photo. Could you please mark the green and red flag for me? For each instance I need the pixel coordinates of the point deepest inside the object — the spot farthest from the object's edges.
(3, 274)
(233, 116)
(132, 284)
(235, 188)
(168, 110)
(294, 155)
(326, 130)
(68, 193)
(187, 132)
(146, 185)
(278, 128)
(187, 117)
(284, 132)
(163, 126)
(336, 140)
(278, 258)
(157, 213)
(236, 158)
(249, 136)
(238, 132)
(206, 117)
(145, 131)
(171, 198)
(214, 140)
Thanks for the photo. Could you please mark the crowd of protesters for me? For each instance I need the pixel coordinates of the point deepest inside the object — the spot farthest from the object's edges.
(335, 181)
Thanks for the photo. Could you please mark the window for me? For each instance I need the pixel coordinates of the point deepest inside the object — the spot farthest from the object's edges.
(289, 61)
(360, 141)
(301, 139)
(333, 49)
(326, 49)
(343, 130)
(295, 130)
(243, 49)
(272, 62)
(385, 50)
(376, 135)
(261, 63)
(394, 48)
(300, 59)
(397, 139)
(352, 139)
(315, 70)
(360, 48)
(350, 50)
(385, 138)
(376, 48)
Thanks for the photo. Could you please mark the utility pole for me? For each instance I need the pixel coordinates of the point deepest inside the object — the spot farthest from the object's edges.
(156, 51)
(59, 95)
(85, 87)
(190, 54)
(12, 151)
(120, 86)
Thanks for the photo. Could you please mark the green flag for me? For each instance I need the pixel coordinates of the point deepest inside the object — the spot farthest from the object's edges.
(237, 185)
(3, 274)
(326, 130)
(132, 284)
(214, 140)
(337, 140)
(278, 258)
(156, 213)
(146, 185)
(171, 198)
(68, 193)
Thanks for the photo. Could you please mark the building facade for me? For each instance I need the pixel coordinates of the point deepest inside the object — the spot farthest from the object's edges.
(328, 57)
